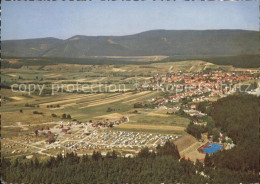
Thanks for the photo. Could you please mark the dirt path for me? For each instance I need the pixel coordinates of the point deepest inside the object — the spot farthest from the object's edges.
(24, 127)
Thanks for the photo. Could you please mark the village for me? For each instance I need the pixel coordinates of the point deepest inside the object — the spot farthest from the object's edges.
(198, 86)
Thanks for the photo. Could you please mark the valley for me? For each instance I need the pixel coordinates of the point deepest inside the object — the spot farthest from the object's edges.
(89, 98)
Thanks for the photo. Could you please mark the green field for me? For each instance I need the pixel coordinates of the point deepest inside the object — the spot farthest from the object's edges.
(157, 122)
(89, 106)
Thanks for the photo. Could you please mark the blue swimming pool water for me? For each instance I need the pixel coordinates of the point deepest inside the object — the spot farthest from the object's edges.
(213, 148)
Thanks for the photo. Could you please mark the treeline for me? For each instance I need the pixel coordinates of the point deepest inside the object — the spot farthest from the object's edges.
(162, 166)
(144, 105)
(81, 61)
(241, 61)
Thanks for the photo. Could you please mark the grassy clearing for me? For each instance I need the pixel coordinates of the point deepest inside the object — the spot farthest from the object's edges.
(10, 132)
(110, 116)
(159, 123)
(168, 120)
(152, 131)
(150, 127)
(27, 117)
(85, 107)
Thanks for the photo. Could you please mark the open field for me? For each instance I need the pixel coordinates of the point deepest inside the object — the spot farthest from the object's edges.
(69, 73)
(158, 123)
(110, 116)
(115, 99)
(150, 127)
(83, 107)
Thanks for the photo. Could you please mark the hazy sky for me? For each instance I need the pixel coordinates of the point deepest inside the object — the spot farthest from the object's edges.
(26, 19)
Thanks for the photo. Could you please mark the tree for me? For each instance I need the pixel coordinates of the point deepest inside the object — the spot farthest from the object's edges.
(36, 163)
(170, 149)
(5, 163)
(96, 155)
(84, 159)
(21, 111)
(207, 160)
(59, 158)
(215, 134)
(109, 109)
(114, 155)
(108, 155)
(199, 165)
(15, 164)
(138, 105)
(202, 106)
(144, 153)
(68, 116)
(64, 116)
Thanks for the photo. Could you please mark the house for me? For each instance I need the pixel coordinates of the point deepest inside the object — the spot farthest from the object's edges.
(64, 130)
(50, 140)
(202, 160)
(193, 106)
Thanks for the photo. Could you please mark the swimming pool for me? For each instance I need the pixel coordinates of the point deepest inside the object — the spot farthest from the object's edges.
(213, 148)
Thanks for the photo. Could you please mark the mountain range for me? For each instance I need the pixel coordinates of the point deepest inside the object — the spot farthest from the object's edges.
(154, 42)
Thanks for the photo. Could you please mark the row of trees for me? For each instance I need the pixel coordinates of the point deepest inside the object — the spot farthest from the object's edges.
(66, 116)
(53, 106)
(161, 166)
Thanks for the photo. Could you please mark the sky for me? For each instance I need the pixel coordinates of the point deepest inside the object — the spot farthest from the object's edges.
(38, 19)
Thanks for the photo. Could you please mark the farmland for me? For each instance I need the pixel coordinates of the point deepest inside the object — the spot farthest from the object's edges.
(108, 95)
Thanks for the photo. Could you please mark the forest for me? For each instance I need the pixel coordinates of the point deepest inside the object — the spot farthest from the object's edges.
(238, 117)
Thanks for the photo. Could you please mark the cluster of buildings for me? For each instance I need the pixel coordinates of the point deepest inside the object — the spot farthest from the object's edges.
(107, 140)
(193, 112)
(46, 133)
(198, 85)
(68, 127)
(109, 123)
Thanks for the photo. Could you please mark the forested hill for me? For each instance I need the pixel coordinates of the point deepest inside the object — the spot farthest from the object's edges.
(155, 42)
(238, 117)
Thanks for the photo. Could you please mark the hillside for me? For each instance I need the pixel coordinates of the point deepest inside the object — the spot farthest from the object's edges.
(155, 42)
